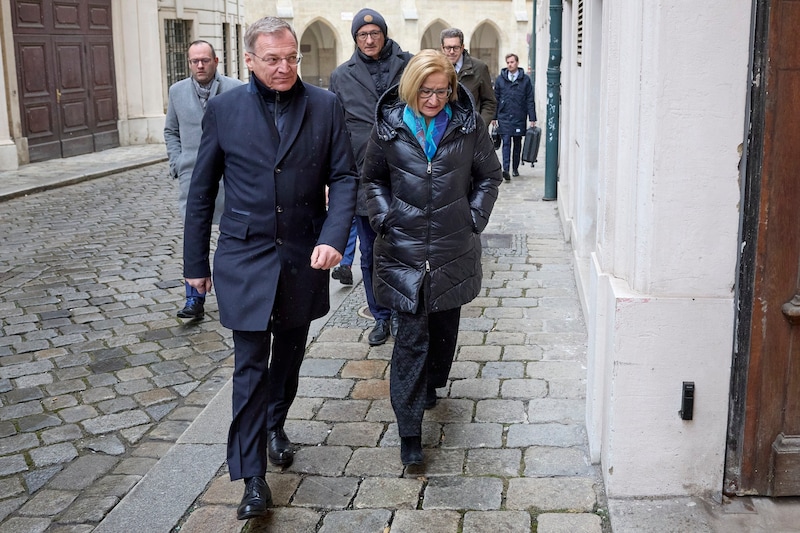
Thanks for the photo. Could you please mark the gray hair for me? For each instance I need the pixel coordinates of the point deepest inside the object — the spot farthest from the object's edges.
(265, 26)
(449, 33)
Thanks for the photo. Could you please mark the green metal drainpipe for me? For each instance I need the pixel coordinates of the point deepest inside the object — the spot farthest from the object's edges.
(532, 48)
(553, 103)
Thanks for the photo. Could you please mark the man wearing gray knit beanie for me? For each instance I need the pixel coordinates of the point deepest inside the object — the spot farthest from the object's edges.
(376, 65)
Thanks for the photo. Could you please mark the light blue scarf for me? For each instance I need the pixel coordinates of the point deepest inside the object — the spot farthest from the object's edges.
(428, 136)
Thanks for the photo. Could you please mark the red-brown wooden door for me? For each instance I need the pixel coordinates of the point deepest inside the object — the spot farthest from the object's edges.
(65, 68)
(764, 453)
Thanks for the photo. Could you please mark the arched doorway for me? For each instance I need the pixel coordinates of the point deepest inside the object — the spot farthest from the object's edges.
(318, 46)
(432, 37)
(485, 45)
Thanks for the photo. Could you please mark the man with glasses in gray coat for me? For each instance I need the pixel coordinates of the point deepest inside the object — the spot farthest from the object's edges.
(182, 131)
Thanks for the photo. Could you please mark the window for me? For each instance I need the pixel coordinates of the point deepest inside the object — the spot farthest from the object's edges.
(226, 42)
(176, 37)
(238, 51)
(579, 35)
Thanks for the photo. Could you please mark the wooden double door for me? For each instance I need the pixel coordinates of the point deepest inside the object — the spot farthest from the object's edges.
(764, 431)
(65, 70)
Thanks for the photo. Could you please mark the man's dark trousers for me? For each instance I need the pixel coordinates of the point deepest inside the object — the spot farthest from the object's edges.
(512, 153)
(263, 391)
(366, 240)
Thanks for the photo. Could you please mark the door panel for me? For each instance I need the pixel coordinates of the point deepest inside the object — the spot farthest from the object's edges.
(770, 444)
(104, 92)
(38, 96)
(73, 96)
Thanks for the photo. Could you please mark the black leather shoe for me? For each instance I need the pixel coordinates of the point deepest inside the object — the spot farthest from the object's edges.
(379, 333)
(411, 450)
(506, 176)
(515, 173)
(394, 323)
(194, 308)
(279, 448)
(257, 497)
(344, 273)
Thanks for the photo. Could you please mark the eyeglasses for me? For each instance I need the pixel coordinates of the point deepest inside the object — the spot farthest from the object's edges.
(451, 48)
(203, 60)
(274, 61)
(441, 94)
(362, 35)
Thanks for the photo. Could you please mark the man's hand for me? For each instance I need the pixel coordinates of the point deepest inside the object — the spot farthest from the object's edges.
(324, 257)
(203, 285)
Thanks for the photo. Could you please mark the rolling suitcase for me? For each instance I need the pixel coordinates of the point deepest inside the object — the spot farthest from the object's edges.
(530, 150)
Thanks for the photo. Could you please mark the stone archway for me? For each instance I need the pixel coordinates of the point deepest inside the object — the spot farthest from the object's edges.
(432, 36)
(485, 45)
(318, 46)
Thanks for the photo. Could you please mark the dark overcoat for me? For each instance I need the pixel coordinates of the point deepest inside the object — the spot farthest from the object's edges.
(353, 85)
(514, 103)
(275, 204)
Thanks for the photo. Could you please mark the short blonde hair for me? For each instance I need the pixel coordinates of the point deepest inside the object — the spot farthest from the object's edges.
(421, 66)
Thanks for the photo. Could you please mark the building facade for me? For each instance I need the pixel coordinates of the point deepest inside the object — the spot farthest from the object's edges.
(491, 28)
(83, 76)
(678, 191)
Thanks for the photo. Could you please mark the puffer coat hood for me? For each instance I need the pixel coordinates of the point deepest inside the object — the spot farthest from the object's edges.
(428, 215)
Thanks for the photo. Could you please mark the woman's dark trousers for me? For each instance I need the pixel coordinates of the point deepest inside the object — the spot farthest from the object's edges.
(422, 357)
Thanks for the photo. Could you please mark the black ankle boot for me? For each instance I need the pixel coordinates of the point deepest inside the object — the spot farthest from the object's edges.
(411, 450)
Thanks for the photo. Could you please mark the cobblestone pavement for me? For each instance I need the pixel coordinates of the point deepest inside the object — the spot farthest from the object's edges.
(113, 413)
(97, 377)
(505, 448)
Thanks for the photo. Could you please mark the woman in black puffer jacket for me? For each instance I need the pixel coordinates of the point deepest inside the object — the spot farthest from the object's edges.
(431, 178)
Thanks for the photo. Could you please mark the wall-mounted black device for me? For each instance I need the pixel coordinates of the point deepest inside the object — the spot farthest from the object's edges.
(687, 400)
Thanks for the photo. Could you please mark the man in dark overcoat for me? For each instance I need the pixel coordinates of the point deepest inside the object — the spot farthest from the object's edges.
(472, 73)
(279, 144)
(514, 92)
(376, 65)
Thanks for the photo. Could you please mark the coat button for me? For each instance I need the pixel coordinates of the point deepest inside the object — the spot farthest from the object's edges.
(277, 171)
(278, 241)
(279, 209)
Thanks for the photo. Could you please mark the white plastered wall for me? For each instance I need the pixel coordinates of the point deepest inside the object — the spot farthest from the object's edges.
(656, 267)
(137, 63)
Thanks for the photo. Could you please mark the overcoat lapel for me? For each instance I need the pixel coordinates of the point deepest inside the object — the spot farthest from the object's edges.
(361, 74)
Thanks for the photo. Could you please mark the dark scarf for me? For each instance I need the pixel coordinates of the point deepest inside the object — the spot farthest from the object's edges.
(379, 68)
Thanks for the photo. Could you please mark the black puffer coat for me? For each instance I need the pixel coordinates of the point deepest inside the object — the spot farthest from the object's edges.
(428, 216)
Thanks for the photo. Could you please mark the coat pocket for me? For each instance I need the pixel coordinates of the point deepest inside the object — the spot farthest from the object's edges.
(233, 227)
